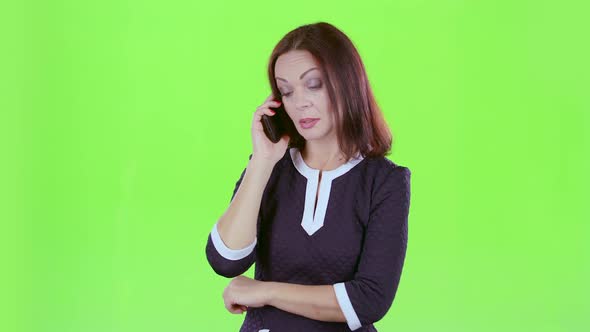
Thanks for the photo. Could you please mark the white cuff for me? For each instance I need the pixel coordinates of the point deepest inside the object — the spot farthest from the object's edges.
(344, 301)
(227, 253)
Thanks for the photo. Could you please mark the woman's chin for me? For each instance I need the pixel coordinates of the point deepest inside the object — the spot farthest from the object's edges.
(312, 137)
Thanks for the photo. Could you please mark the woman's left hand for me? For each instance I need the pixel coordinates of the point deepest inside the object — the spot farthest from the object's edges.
(243, 292)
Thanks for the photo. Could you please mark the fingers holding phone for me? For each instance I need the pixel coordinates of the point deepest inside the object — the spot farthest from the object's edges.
(266, 125)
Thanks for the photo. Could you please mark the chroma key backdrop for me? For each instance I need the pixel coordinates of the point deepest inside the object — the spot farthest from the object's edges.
(124, 126)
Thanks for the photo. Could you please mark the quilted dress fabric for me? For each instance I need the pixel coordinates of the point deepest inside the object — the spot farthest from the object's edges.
(355, 239)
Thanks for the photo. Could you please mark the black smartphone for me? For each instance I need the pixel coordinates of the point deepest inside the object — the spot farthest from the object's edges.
(278, 125)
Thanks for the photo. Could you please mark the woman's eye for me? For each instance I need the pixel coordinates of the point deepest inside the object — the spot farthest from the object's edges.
(314, 87)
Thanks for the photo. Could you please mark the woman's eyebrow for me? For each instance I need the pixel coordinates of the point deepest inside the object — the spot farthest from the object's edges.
(300, 77)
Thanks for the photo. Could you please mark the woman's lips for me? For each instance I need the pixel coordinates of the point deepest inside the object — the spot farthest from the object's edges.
(308, 122)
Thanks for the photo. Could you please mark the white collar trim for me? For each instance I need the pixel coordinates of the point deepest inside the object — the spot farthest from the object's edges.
(310, 222)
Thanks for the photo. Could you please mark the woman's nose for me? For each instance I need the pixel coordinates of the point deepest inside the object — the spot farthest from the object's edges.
(301, 101)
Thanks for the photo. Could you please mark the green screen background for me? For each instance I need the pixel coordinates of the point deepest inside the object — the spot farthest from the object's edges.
(124, 126)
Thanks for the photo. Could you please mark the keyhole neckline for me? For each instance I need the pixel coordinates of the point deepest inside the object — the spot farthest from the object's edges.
(309, 172)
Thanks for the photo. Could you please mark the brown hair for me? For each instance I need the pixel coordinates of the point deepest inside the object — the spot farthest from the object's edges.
(360, 125)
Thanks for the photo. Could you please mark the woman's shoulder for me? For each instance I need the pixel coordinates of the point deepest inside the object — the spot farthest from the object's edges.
(285, 160)
(384, 177)
(383, 167)
(375, 169)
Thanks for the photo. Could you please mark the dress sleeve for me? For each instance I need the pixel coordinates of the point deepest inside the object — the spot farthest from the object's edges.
(368, 296)
(225, 261)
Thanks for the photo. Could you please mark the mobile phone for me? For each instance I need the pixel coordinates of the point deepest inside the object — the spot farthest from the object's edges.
(278, 125)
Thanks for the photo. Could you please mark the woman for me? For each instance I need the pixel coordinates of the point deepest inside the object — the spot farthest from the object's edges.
(322, 212)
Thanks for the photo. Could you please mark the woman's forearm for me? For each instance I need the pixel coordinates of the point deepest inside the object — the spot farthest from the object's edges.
(312, 301)
(237, 225)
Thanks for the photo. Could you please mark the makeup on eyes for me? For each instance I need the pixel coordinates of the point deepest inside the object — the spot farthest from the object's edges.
(316, 86)
(316, 83)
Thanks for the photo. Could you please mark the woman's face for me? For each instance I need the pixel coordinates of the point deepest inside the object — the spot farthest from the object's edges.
(304, 94)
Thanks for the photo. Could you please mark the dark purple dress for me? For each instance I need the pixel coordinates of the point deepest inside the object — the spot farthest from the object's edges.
(355, 240)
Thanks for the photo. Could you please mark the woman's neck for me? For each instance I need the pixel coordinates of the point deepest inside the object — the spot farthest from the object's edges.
(322, 158)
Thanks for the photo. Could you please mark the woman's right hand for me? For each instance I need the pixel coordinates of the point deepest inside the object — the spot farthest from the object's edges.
(263, 147)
